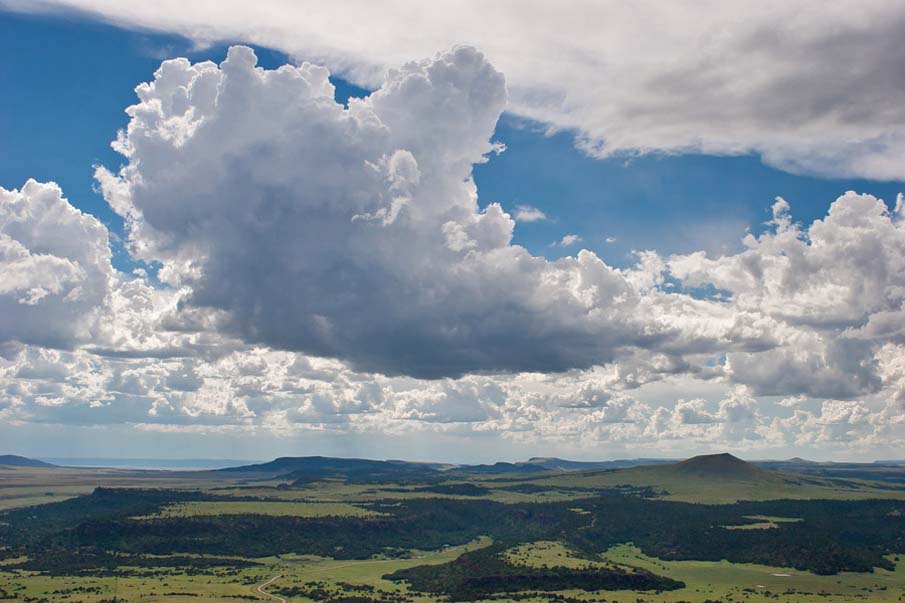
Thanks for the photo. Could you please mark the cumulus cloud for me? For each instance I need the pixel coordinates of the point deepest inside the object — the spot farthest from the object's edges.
(567, 241)
(329, 268)
(55, 265)
(354, 233)
(711, 77)
(526, 213)
(826, 288)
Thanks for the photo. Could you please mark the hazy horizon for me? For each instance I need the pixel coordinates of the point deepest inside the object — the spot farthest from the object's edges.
(175, 463)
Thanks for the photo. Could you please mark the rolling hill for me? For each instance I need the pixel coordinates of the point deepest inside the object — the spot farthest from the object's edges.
(711, 478)
(318, 467)
(721, 478)
(720, 466)
(12, 460)
(312, 468)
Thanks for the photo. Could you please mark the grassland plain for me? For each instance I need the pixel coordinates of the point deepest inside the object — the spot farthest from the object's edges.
(154, 536)
(705, 581)
(169, 585)
(723, 580)
(25, 486)
(720, 489)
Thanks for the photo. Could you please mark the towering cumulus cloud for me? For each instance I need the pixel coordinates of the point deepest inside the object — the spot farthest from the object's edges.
(55, 263)
(329, 268)
(355, 233)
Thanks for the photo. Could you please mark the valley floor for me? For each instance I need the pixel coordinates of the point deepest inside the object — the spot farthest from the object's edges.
(333, 580)
(676, 534)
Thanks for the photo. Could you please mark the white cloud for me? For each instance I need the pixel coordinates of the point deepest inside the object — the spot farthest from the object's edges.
(526, 213)
(567, 241)
(830, 290)
(55, 266)
(358, 236)
(711, 77)
(329, 269)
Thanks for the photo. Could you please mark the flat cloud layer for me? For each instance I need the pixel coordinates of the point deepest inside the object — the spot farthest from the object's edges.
(812, 87)
(328, 268)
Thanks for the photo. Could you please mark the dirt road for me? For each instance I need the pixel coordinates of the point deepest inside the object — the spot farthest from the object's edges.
(260, 589)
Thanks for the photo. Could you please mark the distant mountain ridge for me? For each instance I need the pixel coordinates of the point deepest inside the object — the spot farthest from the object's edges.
(709, 471)
(13, 460)
(312, 468)
(307, 468)
(557, 464)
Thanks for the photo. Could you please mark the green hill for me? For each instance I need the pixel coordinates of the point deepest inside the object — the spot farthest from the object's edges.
(722, 478)
(720, 466)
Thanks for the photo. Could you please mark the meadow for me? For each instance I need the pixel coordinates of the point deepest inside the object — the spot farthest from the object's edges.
(705, 532)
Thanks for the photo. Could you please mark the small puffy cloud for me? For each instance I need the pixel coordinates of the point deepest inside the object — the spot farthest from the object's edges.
(567, 241)
(526, 213)
(694, 412)
(468, 400)
(588, 395)
(792, 401)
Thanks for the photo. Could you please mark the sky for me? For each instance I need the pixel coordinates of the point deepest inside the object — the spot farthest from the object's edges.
(469, 234)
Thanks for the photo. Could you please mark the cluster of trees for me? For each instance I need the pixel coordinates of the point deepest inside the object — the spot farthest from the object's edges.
(832, 536)
(115, 527)
(462, 489)
(481, 573)
(95, 561)
(341, 592)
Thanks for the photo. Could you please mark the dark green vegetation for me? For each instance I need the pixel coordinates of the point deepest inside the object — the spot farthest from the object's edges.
(482, 573)
(343, 592)
(405, 509)
(833, 536)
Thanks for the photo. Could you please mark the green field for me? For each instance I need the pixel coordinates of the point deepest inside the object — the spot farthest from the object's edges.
(162, 585)
(742, 581)
(720, 581)
(718, 531)
(719, 489)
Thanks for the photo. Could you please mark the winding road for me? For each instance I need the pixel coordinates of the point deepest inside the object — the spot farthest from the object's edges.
(260, 588)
